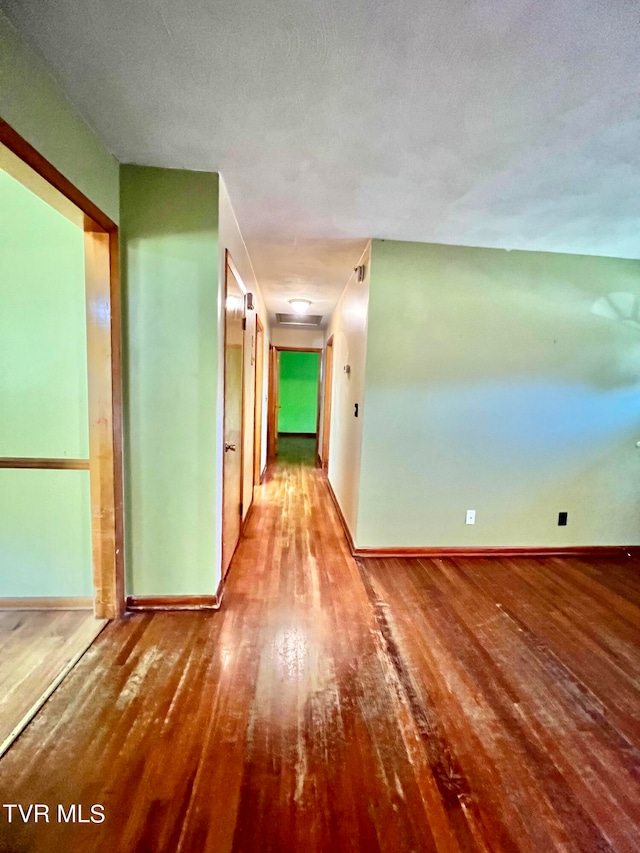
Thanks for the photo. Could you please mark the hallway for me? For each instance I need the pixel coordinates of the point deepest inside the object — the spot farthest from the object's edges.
(332, 705)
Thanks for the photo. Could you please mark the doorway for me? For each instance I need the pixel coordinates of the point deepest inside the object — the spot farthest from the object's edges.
(61, 569)
(258, 401)
(294, 397)
(326, 408)
(78, 434)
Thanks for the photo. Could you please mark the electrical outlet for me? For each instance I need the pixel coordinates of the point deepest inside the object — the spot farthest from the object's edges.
(471, 516)
(562, 519)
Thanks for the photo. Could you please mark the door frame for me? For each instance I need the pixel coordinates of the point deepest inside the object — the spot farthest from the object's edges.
(258, 408)
(328, 398)
(272, 404)
(103, 312)
(229, 265)
(274, 394)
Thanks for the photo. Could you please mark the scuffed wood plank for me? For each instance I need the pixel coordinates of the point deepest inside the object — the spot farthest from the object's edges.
(332, 704)
(37, 651)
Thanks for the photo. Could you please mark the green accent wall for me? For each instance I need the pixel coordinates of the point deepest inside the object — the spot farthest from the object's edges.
(45, 516)
(35, 106)
(298, 392)
(169, 259)
(504, 382)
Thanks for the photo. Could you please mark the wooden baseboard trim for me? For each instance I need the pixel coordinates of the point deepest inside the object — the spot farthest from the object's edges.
(431, 553)
(48, 603)
(296, 435)
(172, 602)
(482, 552)
(343, 521)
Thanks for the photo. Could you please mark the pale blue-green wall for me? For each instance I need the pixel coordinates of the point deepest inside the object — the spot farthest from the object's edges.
(504, 382)
(170, 335)
(45, 533)
(34, 105)
(169, 257)
(45, 516)
(348, 328)
(43, 342)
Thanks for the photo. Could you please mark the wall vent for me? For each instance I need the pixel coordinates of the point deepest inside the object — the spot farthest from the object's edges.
(299, 319)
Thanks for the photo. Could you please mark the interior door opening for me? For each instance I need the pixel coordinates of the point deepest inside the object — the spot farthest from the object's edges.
(61, 380)
(61, 568)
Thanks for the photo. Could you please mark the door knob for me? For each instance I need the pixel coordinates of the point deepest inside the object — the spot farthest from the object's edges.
(229, 447)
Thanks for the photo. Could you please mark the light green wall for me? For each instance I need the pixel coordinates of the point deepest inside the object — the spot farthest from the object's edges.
(169, 256)
(298, 392)
(45, 533)
(499, 382)
(43, 361)
(45, 516)
(348, 328)
(34, 105)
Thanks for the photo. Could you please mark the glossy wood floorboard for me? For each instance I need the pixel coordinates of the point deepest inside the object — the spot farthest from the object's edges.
(335, 705)
(36, 648)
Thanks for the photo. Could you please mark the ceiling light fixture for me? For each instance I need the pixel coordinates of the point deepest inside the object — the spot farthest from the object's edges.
(300, 306)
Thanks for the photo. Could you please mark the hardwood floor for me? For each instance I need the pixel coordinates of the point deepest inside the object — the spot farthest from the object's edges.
(335, 705)
(37, 649)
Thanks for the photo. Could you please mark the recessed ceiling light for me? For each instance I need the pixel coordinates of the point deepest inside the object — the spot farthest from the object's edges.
(300, 306)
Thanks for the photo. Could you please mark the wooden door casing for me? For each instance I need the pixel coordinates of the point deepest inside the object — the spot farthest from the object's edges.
(272, 423)
(328, 393)
(103, 313)
(233, 415)
(257, 406)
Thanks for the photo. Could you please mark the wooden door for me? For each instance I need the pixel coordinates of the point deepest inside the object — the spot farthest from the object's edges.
(257, 411)
(233, 387)
(328, 389)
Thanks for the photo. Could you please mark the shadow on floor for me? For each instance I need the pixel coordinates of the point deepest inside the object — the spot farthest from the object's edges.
(297, 450)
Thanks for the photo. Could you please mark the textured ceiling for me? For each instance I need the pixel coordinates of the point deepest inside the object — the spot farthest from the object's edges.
(511, 124)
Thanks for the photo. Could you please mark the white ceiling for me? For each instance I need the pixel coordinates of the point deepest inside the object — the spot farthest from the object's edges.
(505, 123)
